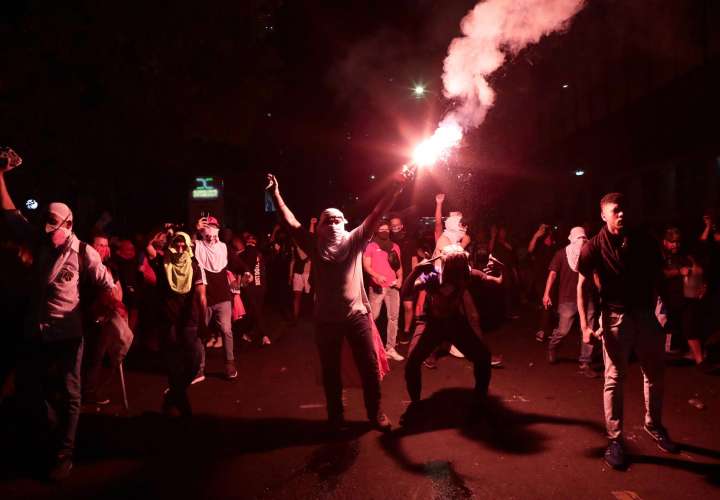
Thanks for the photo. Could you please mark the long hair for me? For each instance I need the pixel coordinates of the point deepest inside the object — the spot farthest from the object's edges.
(456, 266)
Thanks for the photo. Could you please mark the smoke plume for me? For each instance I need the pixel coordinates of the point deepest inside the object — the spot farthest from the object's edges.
(492, 31)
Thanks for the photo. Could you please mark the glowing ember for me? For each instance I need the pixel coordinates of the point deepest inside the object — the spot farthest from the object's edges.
(437, 147)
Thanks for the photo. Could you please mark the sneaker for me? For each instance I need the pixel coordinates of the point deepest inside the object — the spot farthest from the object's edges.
(404, 338)
(615, 455)
(246, 338)
(61, 468)
(455, 352)
(411, 414)
(552, 356)
(496, 361)
(97, 401)
(381, 422)
(266, 340)
(210, 343)
(198, 379)
(218, 343)
(540, 336)
(393, 354)
(662, 439)
(230, 370)
(430, 363)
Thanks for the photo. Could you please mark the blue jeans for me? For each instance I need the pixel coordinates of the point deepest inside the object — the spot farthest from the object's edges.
(220, 317)
(568, 311)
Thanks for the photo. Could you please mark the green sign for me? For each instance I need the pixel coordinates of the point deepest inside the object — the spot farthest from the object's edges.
(205, 189)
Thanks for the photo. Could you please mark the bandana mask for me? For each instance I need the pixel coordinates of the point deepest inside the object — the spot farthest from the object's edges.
(210, 235)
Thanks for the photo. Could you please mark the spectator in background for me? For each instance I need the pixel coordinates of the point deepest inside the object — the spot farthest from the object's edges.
(128, 268)
(563, 271)
(212, 259)
(254, 291)
(382, 262)
(682, 290)
(540, 251)
(300, 274)
(502, 250)
(183, 309)
(408, 246)
(107, 333)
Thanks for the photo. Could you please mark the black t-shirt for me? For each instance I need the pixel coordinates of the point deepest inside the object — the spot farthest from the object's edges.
(629, 267)
(541, 258)
(255, 263)
(298, 262)
(179, 309)
(217, 288)
(567, 279)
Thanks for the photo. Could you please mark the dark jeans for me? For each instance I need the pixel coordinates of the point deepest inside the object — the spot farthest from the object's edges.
(48, 386)
(254, 302)
(183, 354)
(358, 332)
(428, 336)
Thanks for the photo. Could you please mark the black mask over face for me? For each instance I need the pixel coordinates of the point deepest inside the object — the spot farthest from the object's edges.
(398, 236)
(383, 235)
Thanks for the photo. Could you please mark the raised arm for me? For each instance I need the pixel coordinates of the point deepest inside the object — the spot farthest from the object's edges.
(398, 182)
(538, 234)
(287, 216)
(5, 199)
(439, 199)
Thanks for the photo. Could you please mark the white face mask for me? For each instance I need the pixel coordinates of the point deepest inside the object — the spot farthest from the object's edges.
(59, 236)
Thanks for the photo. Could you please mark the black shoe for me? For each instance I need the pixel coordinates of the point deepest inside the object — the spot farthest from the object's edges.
(411, 414)
(381, 422)
(61, 469)
(615, 455)
(662, 439)
(587, 371)
(404, 338)
(552, 356)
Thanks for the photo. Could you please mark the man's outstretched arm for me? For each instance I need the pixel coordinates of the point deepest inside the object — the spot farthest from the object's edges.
(287, 214)
(387, 201)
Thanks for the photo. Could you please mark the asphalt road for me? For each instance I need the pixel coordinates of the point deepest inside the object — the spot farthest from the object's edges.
(263, 436)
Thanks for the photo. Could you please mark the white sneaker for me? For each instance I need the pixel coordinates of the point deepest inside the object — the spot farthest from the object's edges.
(393, 354)
(198, 379)
(266, 340)
(210, 343)
(218, 343)
(454, 352)
(246, 338)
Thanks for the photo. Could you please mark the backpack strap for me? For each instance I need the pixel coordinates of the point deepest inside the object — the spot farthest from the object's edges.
(81, 259)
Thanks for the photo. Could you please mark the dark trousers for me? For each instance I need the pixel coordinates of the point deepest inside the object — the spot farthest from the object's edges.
(183, 354)
(254, 302)
(48, 386)
(358, 332)
(428, 336)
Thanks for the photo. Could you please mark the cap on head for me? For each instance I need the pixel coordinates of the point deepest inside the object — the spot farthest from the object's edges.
(212, 221)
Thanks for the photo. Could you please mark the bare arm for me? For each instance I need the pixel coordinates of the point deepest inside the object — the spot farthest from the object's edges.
(287, 215)
(547, 302)
(201, 298)
(439, 199)
(585, 329)
(5, 199)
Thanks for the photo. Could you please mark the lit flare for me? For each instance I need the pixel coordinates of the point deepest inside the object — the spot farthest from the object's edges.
(437, 147)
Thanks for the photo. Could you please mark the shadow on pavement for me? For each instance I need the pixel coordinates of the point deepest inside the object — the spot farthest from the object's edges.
(711, 472)
(494, 425)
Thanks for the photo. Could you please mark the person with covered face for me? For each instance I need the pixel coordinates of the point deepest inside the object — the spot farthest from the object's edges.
(182, 312)
(342, 309)
(48, 374)
(450, 315)
(212, 258)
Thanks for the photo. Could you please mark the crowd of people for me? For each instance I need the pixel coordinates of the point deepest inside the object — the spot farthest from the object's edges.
(73, 310)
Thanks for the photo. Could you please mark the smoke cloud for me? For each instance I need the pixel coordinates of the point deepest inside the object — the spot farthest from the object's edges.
(492, 31)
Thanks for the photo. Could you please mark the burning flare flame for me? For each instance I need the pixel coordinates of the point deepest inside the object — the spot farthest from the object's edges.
(438, 146)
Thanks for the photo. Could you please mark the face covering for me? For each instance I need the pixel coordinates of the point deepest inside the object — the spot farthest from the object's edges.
(453, 231)
(572, 251)
(178, 266)
(59, 236)
(331, 237)
(210, 253)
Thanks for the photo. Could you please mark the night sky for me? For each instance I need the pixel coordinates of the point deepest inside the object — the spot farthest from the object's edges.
(118, 105)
